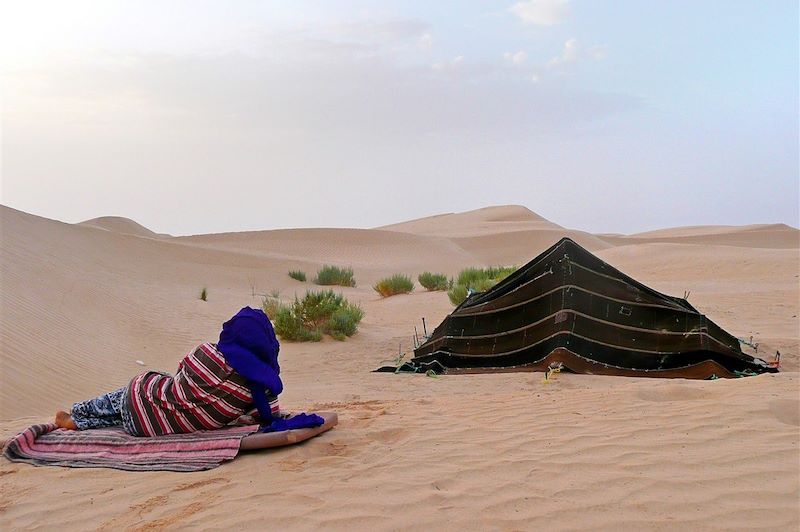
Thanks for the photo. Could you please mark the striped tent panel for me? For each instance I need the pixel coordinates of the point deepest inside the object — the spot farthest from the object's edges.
(568, 306)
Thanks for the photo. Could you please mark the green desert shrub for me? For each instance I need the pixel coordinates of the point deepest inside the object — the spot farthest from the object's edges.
(333, 275)
(477, 280)
(433, 281)
(457, 294)
(396, 284)
(472, 277)
(469, 276)
(318, 313)
(482, 285)
(498, 273)
(271, 305)
(344, 321)
(204, 294)
(298, 275)
(317, 306)
(290, 327)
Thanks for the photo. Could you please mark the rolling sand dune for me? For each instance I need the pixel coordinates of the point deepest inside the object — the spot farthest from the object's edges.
(768, 236)
(118, 224)
(344, 247)
(81, 305)
(513, 248)
(489, 220)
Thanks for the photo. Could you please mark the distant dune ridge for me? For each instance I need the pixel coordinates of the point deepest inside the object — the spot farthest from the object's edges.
(118, 224)
(82, 303)
(489, 220)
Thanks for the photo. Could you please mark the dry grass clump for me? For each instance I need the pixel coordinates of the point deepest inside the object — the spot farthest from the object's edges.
(333, 275)
(396, 284)
(457, 294)
(271, 305)
(317, 313)
(298, 275)
(433, 281)
(471, 280)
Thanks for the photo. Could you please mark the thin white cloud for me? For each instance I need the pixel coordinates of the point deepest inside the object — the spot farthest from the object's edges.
(569, 54)
(376, 31)
(597, 52)
(425, 41)
(452, 64)
(516, 58)
(542, 12)
(573, 52)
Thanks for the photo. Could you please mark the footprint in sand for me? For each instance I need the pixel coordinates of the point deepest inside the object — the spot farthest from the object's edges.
(388, 435)
(201, 484)
(293, 464)
(357, 415)
(335, 448)
(149, 504)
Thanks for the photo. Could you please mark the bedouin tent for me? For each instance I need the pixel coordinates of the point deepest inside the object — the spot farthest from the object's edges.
(568, 308)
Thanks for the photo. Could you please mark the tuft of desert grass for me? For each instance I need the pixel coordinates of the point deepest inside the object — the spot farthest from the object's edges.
(396, 284)
(334, 275)
(204, 294)
(457, 294)
(317, 313)
(290, 327)
(477, 280)
(271, 305)
(433, 281)
(298, 275)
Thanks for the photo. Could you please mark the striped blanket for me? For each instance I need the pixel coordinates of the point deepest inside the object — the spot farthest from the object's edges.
(113, 447)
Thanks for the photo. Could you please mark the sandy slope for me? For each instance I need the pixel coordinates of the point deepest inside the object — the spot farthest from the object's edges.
(489, 220)
(308, 248)
(81, 304)
(119, 224)
(769, 236)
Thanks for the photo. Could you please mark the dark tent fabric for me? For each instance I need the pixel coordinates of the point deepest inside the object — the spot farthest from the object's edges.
(567, 306)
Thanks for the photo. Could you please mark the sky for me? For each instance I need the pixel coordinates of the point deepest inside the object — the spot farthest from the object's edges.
(197, 117)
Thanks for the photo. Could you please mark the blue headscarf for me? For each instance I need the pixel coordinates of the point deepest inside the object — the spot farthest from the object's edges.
(249, 345)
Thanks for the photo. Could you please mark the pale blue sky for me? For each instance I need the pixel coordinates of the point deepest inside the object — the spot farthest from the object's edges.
(195, 117)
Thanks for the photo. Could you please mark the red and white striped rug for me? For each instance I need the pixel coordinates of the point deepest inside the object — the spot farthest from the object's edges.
(46, 444)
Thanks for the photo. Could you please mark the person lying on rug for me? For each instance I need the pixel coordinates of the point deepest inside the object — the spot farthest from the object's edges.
(213, 387)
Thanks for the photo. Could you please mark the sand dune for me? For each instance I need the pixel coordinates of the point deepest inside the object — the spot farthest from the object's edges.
(767, 236)
(81, 305)
(406, 253)
(489, 220)
(118, 224)
(701, 230)
(518, 247)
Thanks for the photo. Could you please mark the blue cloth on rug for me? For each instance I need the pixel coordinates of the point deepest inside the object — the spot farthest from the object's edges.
(249, 345)
(299, 421)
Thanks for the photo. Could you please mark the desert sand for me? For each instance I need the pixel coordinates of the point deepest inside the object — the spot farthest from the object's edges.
(81, 303)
